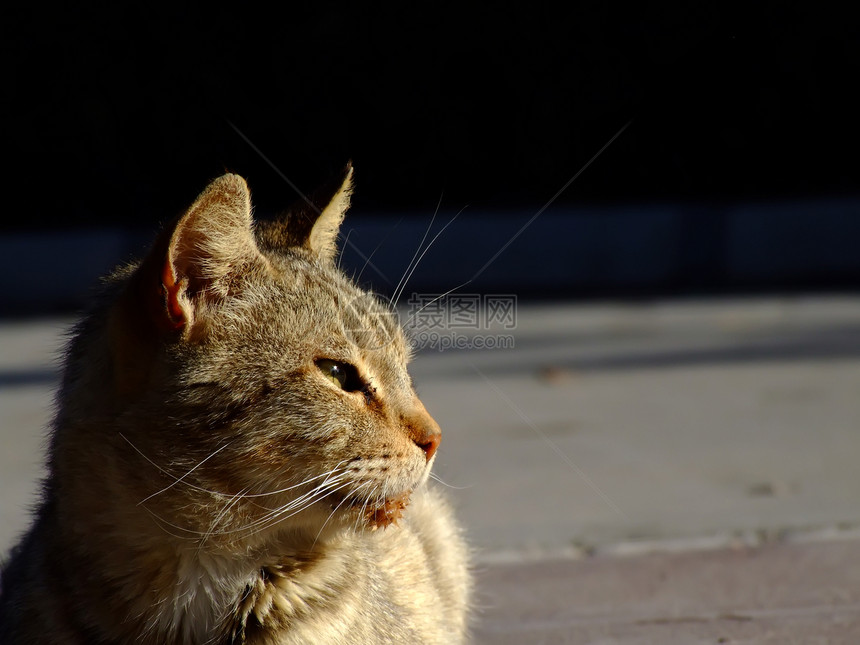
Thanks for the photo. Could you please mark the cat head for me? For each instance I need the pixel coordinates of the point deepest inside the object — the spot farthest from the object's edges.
(256, 389)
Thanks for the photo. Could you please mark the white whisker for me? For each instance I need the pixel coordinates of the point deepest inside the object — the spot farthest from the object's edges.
(301, 502)
(334, 510)
(161, 523)
(171, 475)
(340, 256)
(302, 483)
(231, 503)
(436, 237)
(180, 479)
(417, 250)
(375, 249)
(362, 514)
(308, 503)
(551, 200)
(439, 479)
(439, 297)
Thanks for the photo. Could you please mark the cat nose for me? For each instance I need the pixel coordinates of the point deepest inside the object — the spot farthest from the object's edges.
(429, 442)
(424, 432)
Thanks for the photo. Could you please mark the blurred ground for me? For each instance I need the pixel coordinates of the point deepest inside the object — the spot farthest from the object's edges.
(670, 472)
(786, 594)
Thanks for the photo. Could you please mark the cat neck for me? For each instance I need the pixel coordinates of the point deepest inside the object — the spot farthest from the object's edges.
(230, 600)
(171, 590)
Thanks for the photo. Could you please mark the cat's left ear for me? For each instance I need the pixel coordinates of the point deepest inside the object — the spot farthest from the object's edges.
(198, 261)
(196, 265)
(212, 243)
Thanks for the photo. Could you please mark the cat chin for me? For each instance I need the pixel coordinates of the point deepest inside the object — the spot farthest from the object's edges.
(375, 513)
(329, 518)
(388, 513)
(372, 515)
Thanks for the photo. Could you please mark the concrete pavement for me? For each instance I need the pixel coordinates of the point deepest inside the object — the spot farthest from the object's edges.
(627, 424)
(709, 446)
(788, 594)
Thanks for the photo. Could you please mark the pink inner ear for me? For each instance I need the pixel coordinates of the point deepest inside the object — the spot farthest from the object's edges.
(172, 289)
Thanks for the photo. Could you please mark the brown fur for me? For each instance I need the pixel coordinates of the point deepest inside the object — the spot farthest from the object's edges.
(192, 418)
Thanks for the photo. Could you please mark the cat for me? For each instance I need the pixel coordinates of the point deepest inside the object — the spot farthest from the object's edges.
(238, 453)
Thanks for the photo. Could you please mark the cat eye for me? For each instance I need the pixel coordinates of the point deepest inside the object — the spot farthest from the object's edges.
(344, 375)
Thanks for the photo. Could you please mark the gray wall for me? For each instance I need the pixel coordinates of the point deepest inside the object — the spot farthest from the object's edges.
(623, 250)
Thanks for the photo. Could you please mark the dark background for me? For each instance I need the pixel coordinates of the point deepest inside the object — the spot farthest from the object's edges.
(118, 115)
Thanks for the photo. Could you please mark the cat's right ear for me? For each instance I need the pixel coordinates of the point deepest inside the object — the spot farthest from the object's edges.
(193, 265)
(313, 223)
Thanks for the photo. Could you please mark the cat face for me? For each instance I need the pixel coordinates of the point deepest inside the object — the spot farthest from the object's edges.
(272, 392)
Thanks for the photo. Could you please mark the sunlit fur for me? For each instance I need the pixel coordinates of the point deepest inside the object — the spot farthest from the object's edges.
(208, 484)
